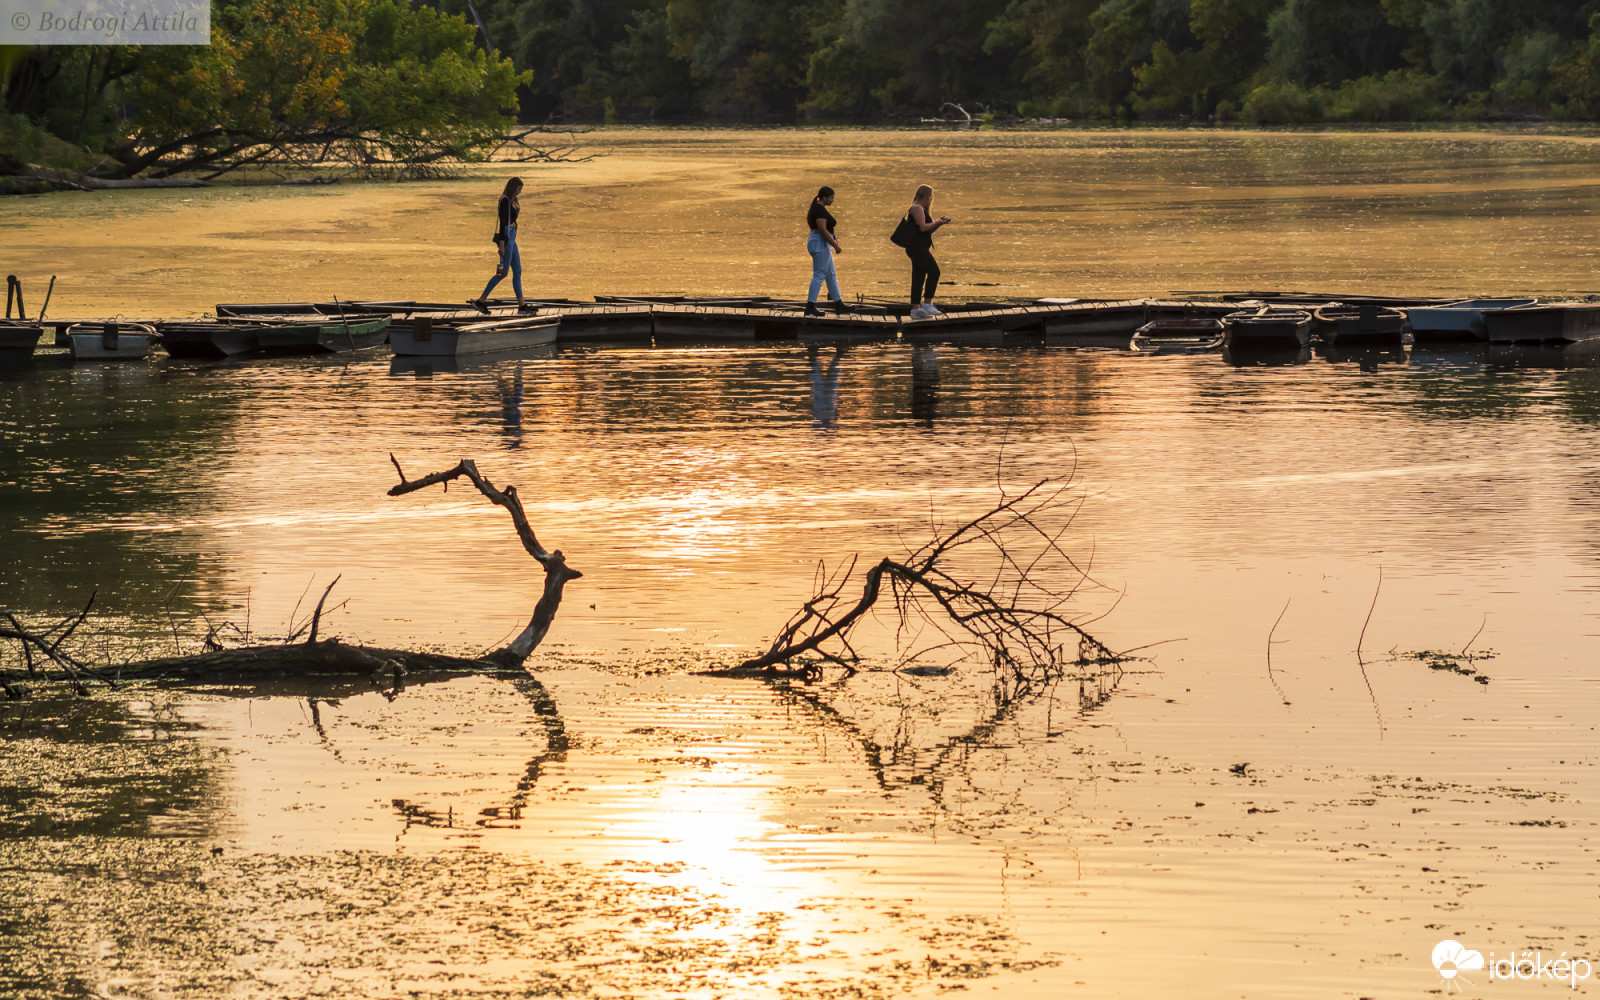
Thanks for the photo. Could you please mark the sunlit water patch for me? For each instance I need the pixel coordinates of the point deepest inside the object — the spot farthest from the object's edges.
(1284, 800)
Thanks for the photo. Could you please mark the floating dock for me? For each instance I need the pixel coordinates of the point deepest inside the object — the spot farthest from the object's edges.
(679, 318)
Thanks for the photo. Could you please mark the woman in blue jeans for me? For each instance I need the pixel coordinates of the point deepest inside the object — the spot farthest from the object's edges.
(505, 237)
(822, 246)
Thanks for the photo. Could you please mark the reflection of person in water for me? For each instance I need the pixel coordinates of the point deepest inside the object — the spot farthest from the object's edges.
(924, 384)
(511, 410)
(825, 387)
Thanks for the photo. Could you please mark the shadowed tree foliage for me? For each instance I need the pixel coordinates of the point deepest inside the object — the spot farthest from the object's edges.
(377, 83)
(401, 80)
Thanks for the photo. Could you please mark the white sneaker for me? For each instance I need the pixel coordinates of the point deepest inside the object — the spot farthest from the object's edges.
(920, 312)
(930, 309)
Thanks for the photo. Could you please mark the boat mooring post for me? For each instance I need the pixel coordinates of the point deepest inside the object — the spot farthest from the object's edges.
(348, 339)
(13, 286)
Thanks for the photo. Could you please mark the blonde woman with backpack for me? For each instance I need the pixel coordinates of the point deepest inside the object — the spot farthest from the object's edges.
(915, 233)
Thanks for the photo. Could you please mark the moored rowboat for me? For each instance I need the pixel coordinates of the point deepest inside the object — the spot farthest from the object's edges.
(327, 335)
(18, 338)
(428, 337)
(1366, 323)
(1268, 326)
(208, 338)
(1548, 323)
(1462, 320)
(110, 341)
(1191, 333)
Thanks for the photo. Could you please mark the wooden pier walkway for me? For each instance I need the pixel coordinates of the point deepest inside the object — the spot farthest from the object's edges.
(677, 318)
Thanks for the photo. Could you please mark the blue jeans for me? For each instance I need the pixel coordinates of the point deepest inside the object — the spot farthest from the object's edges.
(822, 268)
(510, 260)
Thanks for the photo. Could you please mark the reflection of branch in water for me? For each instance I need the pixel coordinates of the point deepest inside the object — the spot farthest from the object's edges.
(416, 815)
(1270, 641)
(557, 742)
(900, 764)
(556, 745)
(322, 733)
(1362, 664)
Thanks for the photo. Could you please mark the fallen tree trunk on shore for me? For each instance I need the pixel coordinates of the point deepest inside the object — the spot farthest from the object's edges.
(40, 179)
(43, 648)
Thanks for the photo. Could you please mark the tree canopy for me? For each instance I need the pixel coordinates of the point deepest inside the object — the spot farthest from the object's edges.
(1261, 60)
(416, 82)
(379, 83)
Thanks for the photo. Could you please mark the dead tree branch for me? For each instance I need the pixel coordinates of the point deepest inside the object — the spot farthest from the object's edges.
(1016, 618)
(556, 571)
(48, 643)
(316, 616)
(42, 646)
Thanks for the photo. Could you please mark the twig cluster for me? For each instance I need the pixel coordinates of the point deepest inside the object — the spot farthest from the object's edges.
(1014, 616)
(44, 646)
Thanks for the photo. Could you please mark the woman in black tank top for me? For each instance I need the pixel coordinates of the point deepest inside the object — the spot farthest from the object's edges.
(924, 269)
(505, 238)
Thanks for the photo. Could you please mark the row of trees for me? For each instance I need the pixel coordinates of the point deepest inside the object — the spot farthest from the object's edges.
(1266, 60)
(415, 82)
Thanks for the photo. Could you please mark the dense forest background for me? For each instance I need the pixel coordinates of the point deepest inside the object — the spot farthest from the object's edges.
(1267, 61)
(414, 81)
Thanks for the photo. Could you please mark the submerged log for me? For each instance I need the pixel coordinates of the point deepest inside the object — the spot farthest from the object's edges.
(313, 657)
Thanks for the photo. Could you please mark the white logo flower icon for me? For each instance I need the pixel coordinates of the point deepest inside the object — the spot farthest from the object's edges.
(1452, 958)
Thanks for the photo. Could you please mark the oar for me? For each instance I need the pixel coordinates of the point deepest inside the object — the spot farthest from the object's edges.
(47, 293)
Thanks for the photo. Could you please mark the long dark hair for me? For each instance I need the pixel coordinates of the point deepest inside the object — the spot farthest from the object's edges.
(824, 192)
(512, 189)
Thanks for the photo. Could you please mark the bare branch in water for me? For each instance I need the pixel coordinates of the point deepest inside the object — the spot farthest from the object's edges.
(556, 571)
(1475, 634)
(1363, 636)
(1012, 615)
(315, 656)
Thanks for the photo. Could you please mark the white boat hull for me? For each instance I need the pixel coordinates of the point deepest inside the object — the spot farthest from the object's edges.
(1462, 320)
(419, 341)
(125, 343)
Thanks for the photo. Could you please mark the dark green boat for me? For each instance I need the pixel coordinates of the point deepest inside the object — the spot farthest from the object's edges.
(322, 335)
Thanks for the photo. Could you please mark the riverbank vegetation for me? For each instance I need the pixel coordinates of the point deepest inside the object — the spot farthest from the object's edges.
(408, 87)
(1259, 61)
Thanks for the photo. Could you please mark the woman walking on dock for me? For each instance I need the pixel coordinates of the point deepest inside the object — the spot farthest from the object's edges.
(505, 237)
(919, 247)
(820, 243)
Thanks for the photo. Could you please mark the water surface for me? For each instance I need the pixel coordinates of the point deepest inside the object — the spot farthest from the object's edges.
(1208, 822)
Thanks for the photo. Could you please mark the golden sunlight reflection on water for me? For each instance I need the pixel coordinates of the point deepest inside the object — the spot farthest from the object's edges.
(1262, 809)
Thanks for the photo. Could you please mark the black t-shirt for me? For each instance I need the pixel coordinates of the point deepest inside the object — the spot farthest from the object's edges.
(508, 217)
(819, 211)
